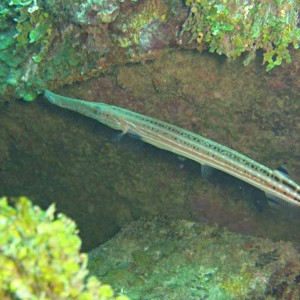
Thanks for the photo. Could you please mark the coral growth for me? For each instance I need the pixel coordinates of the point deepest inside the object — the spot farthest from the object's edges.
(39, 256)
(232, 27)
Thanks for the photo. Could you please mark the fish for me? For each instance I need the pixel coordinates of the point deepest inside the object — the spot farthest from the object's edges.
(210, 154)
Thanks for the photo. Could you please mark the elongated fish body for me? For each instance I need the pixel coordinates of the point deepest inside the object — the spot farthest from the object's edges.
(185, 143)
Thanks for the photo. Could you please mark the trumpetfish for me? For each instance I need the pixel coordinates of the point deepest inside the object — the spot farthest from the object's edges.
(276, 185)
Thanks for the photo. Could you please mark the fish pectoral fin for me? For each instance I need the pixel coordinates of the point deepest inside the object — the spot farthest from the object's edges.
(118, 136)
(207, 170)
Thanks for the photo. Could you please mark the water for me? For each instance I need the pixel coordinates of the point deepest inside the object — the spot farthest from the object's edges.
(104, 183)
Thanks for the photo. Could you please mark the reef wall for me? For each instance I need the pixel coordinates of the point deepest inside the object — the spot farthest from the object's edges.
(104, 181)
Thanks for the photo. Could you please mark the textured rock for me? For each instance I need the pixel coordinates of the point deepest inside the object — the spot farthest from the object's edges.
(177, 259)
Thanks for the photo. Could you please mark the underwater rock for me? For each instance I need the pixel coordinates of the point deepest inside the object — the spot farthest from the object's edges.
(195, 261)
(47, 44)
